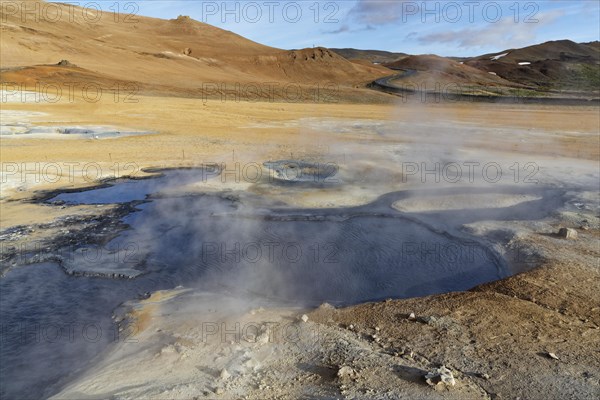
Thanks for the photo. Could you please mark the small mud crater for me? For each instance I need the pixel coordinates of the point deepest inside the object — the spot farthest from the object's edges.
(303, 173)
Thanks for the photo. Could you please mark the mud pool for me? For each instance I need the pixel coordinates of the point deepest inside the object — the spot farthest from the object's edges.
(57, 316)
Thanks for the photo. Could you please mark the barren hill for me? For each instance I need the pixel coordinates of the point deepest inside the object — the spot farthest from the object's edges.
(558, 50)
(555, 65)
(434, 70)
(374, 56)
(559, 69)
(178, 55)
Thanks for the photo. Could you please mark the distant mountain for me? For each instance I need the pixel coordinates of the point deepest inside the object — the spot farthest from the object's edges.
(559, 50)
(374, 56)
(562, 70)
(595, 45)
(176, 56)
(555, 65)
(180, 56)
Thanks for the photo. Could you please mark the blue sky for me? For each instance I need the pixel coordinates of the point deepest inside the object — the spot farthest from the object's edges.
(459, 28)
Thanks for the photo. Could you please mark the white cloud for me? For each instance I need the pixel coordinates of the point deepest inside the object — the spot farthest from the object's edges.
(504, 33)
(379, 12)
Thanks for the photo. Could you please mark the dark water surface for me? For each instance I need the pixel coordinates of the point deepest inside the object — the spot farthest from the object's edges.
(54, 324)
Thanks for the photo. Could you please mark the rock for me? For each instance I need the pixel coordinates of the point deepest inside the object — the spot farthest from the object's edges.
(567, 233)
(412, 316)
(64, 63)
(304, 318)
(441, 376)
(169, 349)
(224, 375)
(553, 356)
(250, 338)
(263, 338)
(187, 51)
(429, 320)
(347, 372)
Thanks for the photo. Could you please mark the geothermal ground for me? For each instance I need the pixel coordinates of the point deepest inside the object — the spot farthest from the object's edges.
(188, 214)
(281, 250)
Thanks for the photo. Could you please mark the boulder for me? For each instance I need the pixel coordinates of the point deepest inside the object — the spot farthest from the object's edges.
(441, 376)
(346, 372)
(567, 233)
(224, 375)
